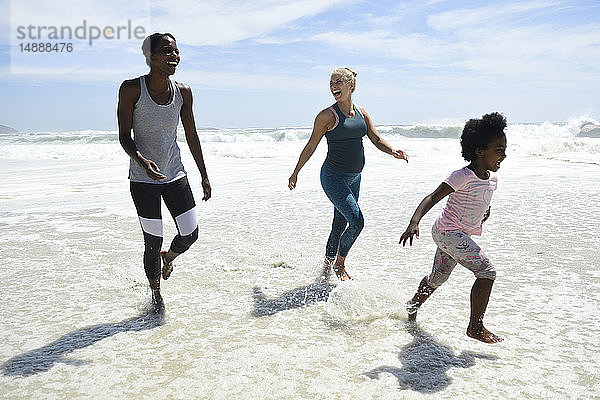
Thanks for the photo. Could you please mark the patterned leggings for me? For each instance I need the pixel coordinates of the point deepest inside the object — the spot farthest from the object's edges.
(457, 247)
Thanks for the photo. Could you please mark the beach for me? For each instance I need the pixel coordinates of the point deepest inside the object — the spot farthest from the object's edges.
(245, 317)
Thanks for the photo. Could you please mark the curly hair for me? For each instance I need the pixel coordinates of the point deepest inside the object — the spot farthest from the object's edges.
(151, 43)
(478, 133)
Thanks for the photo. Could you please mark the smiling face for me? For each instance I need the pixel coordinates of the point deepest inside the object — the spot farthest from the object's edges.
(341, 87)
(165, 55)
(491, 157)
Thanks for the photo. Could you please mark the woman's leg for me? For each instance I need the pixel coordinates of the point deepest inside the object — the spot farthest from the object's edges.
(179, 200)
(338, 226)
(146, 198)
(352, 213)
(343, 191)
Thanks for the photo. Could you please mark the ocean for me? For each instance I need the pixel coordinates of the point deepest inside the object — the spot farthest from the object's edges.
(245, 317)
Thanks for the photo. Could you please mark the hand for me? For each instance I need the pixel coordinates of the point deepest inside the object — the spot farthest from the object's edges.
(206, 189)
(486, 215)
(412, 230)
(400, 155)
(292, 181)
(152, 170)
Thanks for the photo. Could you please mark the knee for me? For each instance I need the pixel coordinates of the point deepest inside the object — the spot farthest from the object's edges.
(182, 243)
(192, 237)
(152, 244)
(357, 223)
(339, 224)
(486, 272)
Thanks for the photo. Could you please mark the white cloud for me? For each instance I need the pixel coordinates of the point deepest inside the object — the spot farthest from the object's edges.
(217, 23)
(416, 47)
(488, 42)
(472, 18)
(69, 12)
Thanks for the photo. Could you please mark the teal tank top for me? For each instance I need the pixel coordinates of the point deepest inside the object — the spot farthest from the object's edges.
(345, 151)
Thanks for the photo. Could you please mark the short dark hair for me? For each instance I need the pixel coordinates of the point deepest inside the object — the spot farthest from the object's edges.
(478, 133)
(155, 39)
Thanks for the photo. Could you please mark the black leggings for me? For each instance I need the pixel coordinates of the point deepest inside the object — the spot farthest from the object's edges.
(179, 200)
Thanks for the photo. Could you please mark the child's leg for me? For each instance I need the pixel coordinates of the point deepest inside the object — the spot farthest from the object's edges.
(480, 295)
(443, 265)
(423, 292)
(463, 249)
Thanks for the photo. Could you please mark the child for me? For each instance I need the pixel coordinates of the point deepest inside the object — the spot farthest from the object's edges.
(470, 191)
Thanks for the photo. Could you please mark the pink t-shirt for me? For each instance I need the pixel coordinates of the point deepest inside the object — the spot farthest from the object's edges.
(469, 202)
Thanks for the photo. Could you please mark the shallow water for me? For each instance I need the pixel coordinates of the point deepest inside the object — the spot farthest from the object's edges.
(244, 316)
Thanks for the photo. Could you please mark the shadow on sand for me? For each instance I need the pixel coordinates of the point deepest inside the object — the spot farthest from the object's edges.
(296, 298)
(425, 363)
(44, 358)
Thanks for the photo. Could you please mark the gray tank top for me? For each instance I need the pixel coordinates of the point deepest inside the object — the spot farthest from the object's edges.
(155, 135)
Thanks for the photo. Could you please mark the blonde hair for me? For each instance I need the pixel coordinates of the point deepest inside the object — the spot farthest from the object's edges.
(347, 74)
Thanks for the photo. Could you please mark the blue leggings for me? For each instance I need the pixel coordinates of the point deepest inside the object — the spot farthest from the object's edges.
(342, 190)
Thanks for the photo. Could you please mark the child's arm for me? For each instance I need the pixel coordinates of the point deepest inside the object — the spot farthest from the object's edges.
(429, 201)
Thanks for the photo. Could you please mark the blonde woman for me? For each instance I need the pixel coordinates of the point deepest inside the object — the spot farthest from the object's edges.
(344, 125)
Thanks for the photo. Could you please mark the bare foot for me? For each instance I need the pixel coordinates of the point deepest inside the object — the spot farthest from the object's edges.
(167, 267)
(342, 274)
(157, 302)
(326, 272)
(484, 335)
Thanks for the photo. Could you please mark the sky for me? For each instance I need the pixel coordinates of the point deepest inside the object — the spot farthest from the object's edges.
(266, 63)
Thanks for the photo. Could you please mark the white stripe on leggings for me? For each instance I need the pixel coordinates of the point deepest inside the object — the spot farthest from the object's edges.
(152, 226)
(187, 222)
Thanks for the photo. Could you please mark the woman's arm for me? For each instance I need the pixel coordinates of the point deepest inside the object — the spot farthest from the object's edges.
(129, 93)
(324, 121)
(426, 204)
(378, 141)
(191, 136)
